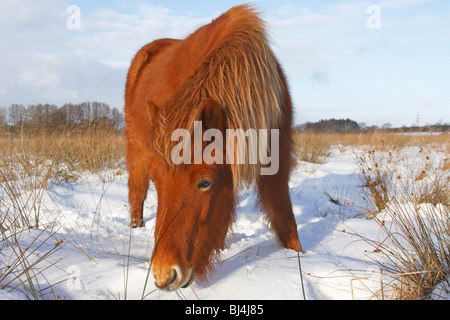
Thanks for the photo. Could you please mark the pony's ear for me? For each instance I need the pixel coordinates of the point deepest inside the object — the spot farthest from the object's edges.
(152, 110)
(212, 116)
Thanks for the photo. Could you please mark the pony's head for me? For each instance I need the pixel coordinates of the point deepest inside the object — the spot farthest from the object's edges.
(195, 208)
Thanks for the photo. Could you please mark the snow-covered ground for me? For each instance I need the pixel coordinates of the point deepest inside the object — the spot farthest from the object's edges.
(100, 257)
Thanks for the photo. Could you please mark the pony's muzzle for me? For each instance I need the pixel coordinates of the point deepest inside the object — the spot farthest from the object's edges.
(174, 278)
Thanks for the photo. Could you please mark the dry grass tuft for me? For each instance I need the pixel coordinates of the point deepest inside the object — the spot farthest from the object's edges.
(410, 202)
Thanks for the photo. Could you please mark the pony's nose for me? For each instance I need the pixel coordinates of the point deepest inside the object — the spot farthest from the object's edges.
(173, 279)
(166, 280)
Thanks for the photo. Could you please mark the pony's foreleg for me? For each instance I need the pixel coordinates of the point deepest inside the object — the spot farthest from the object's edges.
(273, 192)
(138, 183)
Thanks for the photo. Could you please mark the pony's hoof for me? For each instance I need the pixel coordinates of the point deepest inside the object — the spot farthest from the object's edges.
(137, 224)
(294, 244)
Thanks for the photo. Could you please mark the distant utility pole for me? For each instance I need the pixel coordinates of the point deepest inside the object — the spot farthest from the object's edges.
(418, 119)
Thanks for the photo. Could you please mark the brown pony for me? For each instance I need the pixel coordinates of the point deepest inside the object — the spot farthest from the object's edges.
(226, 76)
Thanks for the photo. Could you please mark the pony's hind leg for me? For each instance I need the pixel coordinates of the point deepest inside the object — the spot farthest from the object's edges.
(274, 199)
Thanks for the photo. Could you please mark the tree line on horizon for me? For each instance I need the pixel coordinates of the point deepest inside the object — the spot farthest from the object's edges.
(351, 126)
(93, 114)
(51, 118)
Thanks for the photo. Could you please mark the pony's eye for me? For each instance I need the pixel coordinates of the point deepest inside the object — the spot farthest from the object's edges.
(204, 185)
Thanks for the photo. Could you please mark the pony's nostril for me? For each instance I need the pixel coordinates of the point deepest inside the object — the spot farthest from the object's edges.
(174, 278)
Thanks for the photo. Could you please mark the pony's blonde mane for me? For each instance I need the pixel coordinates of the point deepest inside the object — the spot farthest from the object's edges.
(241, 73)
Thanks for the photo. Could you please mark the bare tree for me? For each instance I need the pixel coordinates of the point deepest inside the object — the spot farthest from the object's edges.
(3, 114)
(16, 114)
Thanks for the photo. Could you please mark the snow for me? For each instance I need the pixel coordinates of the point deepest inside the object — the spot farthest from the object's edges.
(100, 257)
(442, 290)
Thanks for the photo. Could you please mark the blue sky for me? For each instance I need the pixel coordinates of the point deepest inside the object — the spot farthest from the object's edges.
(336, 65)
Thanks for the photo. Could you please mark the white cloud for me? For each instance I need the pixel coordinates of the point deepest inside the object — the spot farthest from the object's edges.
(39, 77)
(113, 37)
(42, 59)
(59, 78)
(396, 4)
(307, 41)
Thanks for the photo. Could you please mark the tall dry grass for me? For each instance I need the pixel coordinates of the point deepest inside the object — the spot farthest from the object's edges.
(315, 147)
(312, 147)
(29, 163)
(61, 156)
